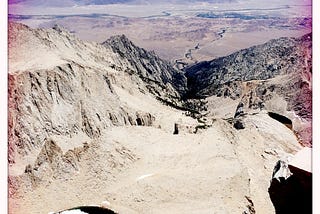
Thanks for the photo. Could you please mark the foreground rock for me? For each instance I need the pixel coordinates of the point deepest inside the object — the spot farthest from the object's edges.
(291, 186)
(146, 169)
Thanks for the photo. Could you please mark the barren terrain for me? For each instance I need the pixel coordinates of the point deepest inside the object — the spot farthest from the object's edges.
(105, 124)
(180, 126)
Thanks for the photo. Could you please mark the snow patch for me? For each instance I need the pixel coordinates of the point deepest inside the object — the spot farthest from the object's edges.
(73, 212)
(105, 204)
(144, 176)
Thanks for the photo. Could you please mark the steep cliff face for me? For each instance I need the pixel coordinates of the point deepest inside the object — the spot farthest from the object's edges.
(275, 76)
(65, 100)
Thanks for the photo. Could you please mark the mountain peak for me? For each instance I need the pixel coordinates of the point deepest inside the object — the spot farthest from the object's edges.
(121, 37)
(60, 28)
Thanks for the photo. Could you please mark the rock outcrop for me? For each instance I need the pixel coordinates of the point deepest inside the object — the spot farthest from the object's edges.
(291, 185)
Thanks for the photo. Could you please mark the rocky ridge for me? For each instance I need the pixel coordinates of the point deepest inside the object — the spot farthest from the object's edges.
(283, 56)
(275, 76)
(147, 66)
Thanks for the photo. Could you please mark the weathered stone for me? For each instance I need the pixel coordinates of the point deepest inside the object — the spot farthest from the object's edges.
(238, 124)
(291, 185)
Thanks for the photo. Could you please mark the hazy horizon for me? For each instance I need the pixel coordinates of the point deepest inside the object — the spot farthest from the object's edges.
(153, 7)
(220, 26)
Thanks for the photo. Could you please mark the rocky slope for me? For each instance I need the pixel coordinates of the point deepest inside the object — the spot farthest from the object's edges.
(275, 76)
(149, 66)
(61, 85)
(107, 124)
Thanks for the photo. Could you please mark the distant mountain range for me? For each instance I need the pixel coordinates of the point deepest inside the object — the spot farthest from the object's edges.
(64, 3)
